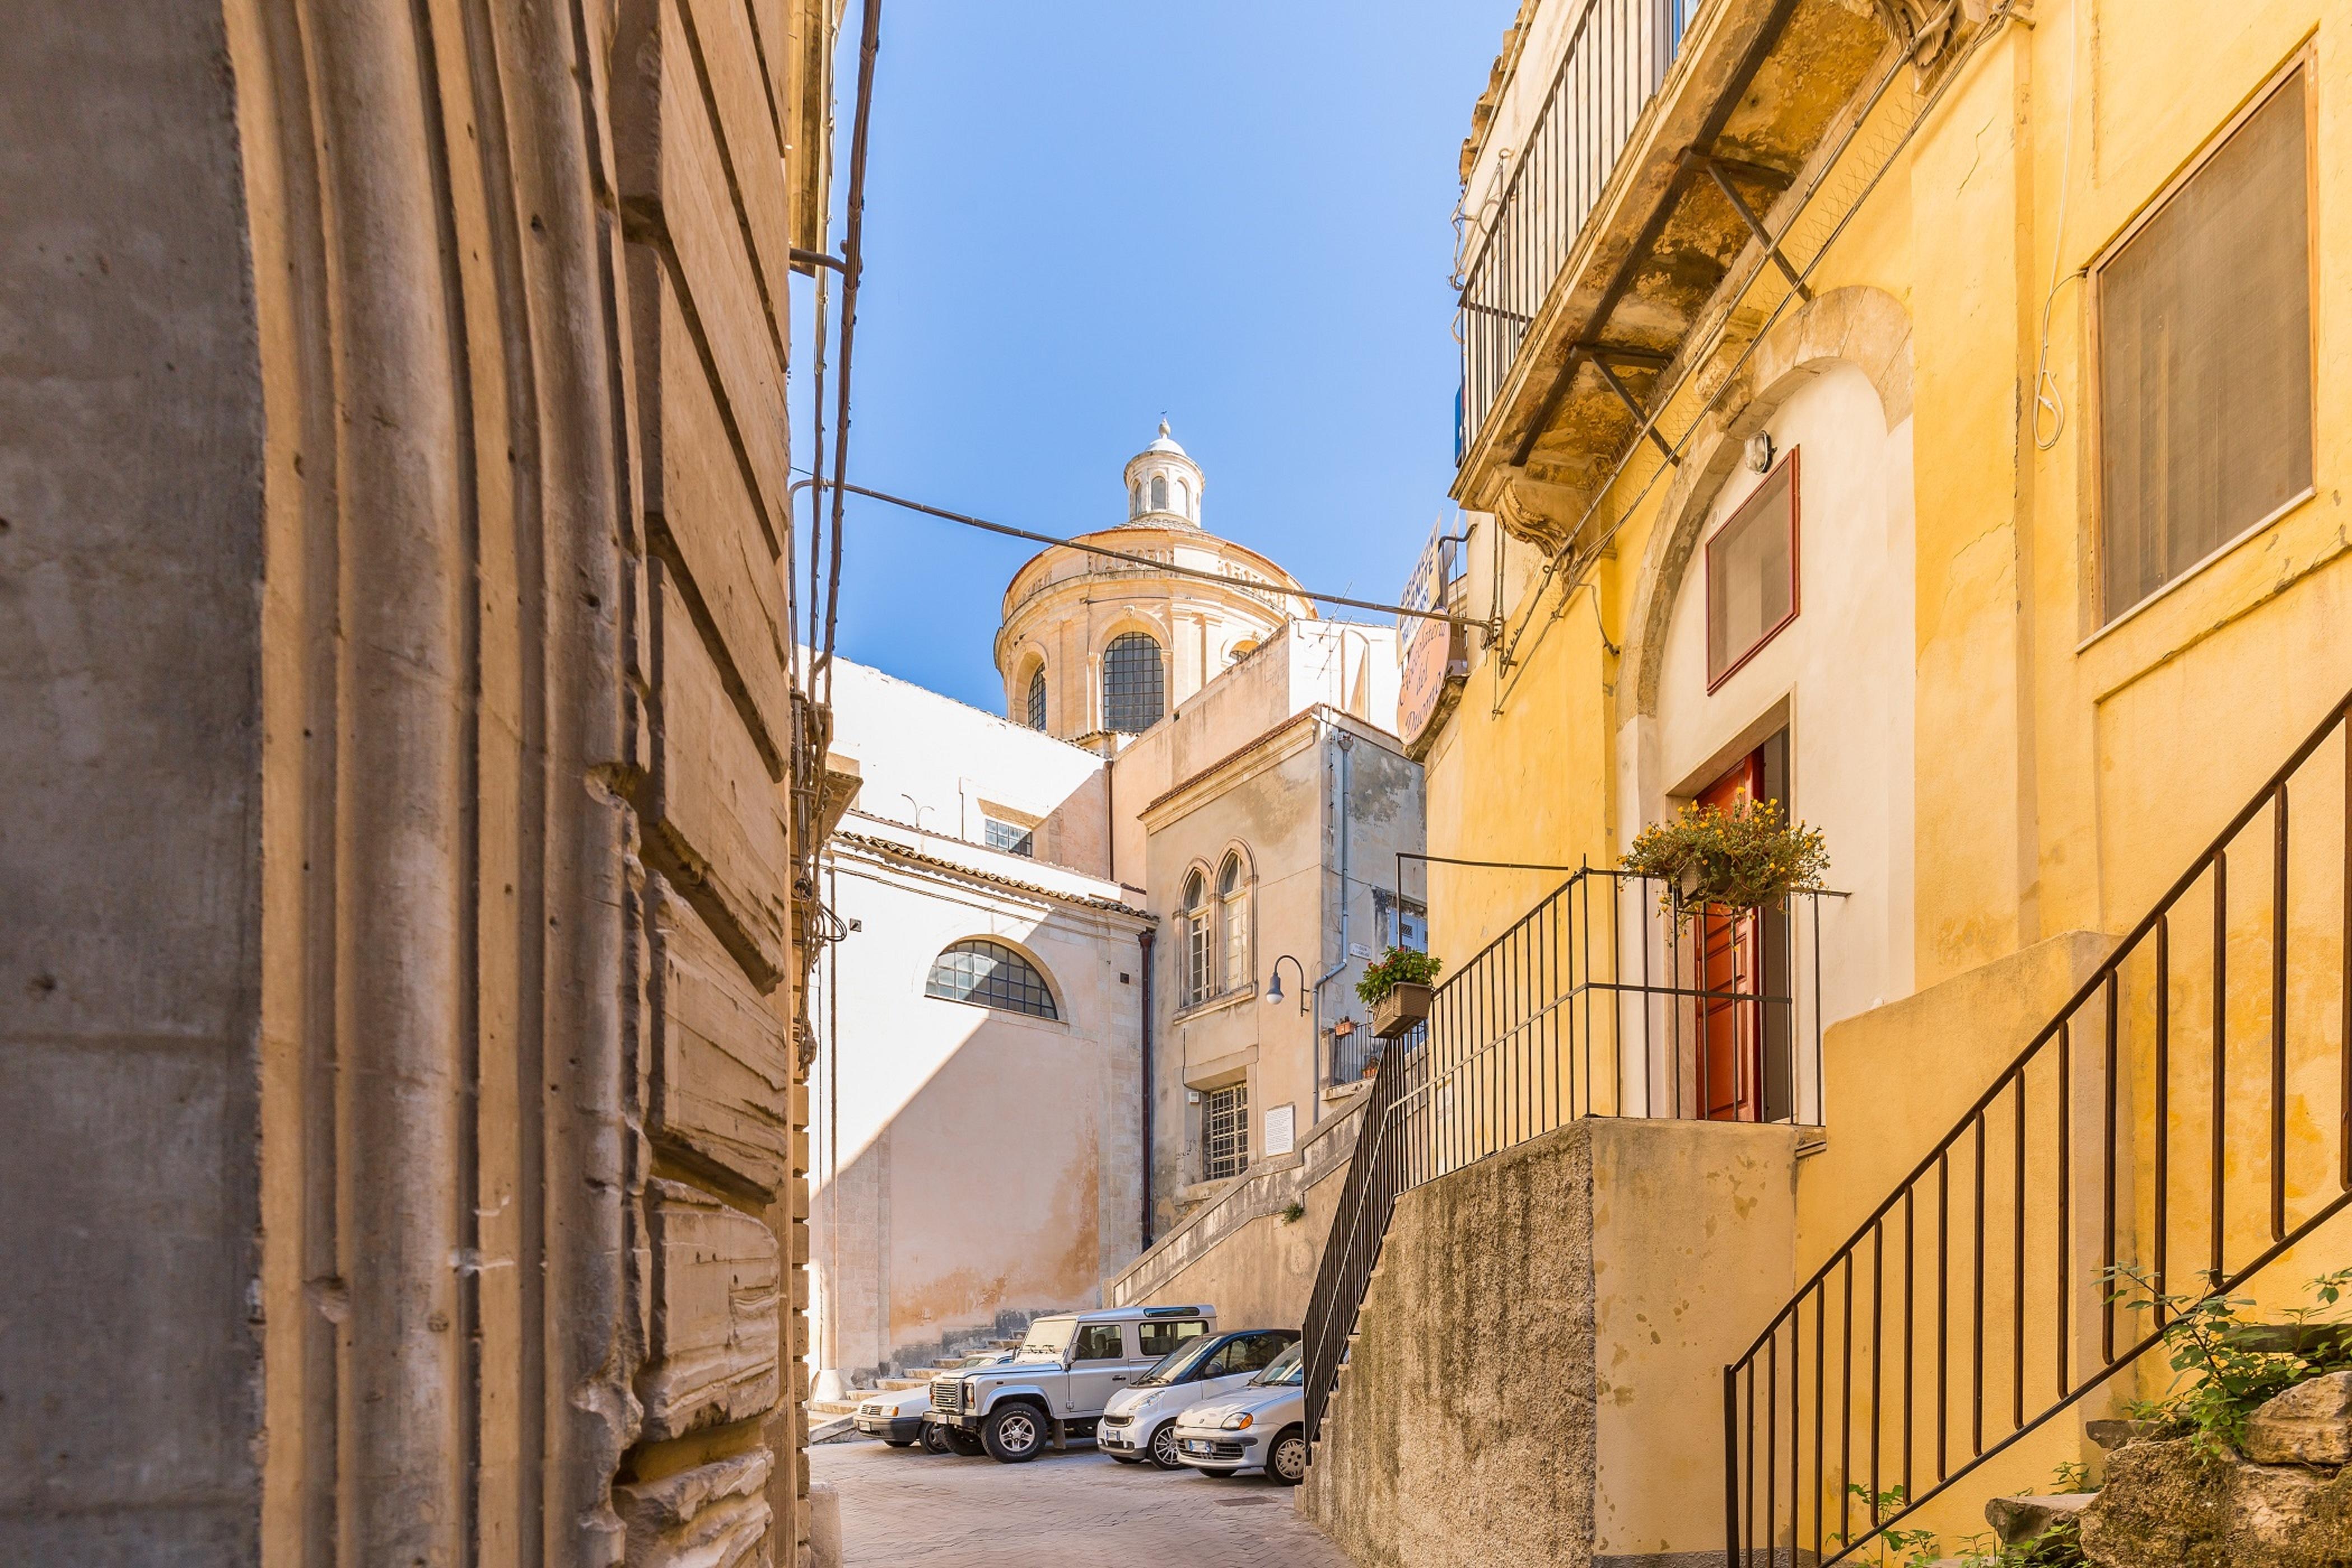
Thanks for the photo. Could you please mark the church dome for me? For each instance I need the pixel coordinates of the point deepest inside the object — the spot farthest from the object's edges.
(1163, 483)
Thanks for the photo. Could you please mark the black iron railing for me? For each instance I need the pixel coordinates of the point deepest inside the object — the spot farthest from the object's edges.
(1974, 1303)
(1604, 1000)
(1617, 57)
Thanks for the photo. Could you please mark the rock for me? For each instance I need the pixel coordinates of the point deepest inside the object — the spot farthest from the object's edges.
(2166, 1506)
(2018, 1519)
(2310, 1424)
(2114, 1435)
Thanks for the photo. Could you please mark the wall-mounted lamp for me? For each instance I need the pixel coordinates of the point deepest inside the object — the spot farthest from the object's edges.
(1274, 983)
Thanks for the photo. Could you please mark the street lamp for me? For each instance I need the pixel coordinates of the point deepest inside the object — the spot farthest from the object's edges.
(1273, 983)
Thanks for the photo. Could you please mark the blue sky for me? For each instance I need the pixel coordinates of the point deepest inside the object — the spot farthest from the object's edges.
(1081, 216)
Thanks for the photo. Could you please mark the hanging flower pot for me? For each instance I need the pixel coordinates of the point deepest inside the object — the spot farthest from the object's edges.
(1398, 989)
(1744, 858)
(1402, 1006)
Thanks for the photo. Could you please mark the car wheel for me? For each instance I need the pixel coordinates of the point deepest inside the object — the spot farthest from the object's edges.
(962, 1442)
(935, 1437)
(1220, 1475)
(1286, 1460)
(1163, 1447)
(1014, 1434)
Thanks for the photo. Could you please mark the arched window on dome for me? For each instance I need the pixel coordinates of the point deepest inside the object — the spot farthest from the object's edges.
(1183, 497)
(1134, 684)
(990, 974)
(1192, 925)
(1135, 499)
(1160, 492)
(1233, 921)
(1037, 714)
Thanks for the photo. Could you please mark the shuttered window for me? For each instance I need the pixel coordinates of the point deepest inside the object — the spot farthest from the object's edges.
(2204, 358)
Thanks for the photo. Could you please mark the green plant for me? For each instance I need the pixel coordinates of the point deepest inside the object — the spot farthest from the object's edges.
(1913, 1548)
(1745, 858)
(2072, 1476)
(2060, 1546)
(1397, 966)
(1295, 1212)
(2228, 1368)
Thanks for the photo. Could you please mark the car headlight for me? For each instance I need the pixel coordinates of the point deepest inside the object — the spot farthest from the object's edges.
(1237, 1422)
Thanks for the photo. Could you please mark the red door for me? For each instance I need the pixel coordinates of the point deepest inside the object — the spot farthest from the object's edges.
(1729, 1035)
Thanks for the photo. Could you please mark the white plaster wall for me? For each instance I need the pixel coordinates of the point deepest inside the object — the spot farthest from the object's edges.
(1843, 671)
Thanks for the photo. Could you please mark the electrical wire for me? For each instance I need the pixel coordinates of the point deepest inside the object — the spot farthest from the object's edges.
(2047, 395)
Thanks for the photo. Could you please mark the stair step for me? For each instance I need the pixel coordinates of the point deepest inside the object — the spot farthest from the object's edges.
(2019, 1520)
(900, 1384)
(830, 1407)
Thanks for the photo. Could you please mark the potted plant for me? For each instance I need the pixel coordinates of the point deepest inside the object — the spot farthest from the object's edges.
(1398, 990)
(1744, 858)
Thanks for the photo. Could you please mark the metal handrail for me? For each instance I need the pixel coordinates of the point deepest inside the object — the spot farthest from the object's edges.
(1573, 1013)
(1618, 54)
(2001, 1155)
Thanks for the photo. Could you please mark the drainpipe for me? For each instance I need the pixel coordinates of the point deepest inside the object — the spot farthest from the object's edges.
(1347, 743)
(1144, 938)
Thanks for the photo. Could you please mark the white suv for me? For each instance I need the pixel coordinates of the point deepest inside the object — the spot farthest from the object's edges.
(1058, 1382)
(1141, 1422)
(1258, 1426)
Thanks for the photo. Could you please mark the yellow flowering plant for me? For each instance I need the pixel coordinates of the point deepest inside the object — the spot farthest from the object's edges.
(1746, 858)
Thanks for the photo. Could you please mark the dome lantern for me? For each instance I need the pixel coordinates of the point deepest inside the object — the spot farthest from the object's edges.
(1163, 483)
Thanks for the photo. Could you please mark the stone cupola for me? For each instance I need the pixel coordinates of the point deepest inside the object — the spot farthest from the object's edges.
(1163, 482)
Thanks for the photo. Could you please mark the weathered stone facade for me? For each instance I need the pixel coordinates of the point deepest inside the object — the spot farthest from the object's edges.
(401, 931)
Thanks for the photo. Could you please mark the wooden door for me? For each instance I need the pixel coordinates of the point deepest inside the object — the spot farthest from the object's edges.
(1727, 958)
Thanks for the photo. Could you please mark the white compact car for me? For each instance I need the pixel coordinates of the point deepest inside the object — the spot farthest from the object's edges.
(1140, 1422)
(1259, 1426)
(897, 1416)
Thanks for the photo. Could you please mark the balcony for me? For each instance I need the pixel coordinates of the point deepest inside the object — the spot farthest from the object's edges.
(1636, 155)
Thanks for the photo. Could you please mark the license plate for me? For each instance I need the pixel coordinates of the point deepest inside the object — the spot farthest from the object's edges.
(1195, 1445)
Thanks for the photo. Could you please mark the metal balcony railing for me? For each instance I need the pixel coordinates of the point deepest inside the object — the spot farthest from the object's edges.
(2188, 1111)
(1601, 1001)
(1617, 57)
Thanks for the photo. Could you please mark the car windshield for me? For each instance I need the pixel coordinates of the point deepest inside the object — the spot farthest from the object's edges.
(1286, 1370)
(1174, 1366)
(1048, 1338)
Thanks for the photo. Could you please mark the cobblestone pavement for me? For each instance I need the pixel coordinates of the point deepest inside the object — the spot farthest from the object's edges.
(1077, 1510)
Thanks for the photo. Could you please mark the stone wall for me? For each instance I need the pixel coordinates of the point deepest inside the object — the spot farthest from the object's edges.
(400, 936)
(1533, 1379)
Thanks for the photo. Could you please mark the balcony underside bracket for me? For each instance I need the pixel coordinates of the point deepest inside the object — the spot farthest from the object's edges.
(1721, 170)
(1601, 357)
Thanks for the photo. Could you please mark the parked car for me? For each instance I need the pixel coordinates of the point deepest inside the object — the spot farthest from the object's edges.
(1259, 1426)
(1139, 1422)
(897, 1416)
(1059, 1383)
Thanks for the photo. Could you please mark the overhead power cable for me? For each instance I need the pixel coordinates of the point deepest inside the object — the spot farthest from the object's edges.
(1166, 567)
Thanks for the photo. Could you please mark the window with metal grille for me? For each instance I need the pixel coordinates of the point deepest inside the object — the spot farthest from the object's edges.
(1224, 1132)
(1008, 837)
(1135, 690)
(1037, 698)
(1751, 574)
(2204, 357)
(990, 974)
(1232, 913)
(1193, 920)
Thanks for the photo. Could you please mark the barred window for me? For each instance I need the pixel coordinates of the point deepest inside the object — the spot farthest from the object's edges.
(1232, 913)
(1037, 698)
(1135, 690)
(1008, 837)
(2204, 358)
(990, 974)
(1193, 921)
(1224, 1132)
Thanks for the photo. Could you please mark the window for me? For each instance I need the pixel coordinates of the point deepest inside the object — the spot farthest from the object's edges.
(1135, 499)
(1160, 492)
(1134, 684)
(1008, 837)
(1183, 497)
(1232, 915)
(1037, 698)
(1751, 574)
(2204, 358)
(1193, 923)
(990, 974)
(1403, 925)
(1099, 1341)
(1255, 1353)
(1224, 1132)
(1161, 1336)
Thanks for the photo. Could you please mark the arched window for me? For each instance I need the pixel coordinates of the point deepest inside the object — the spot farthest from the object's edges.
(1183, 497)
(1160, 492)
(1037, 698)
(990, 974)
(1135, 688)
(1193, 923)
(1135, 500)
(1233, 917)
